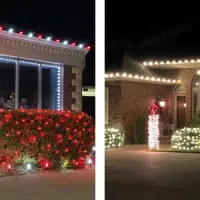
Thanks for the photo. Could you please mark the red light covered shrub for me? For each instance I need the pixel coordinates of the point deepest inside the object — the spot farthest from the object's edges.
(51, 137)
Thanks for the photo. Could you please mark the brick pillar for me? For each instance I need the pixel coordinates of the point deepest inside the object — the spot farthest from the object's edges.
(77, 85)
(68, 88)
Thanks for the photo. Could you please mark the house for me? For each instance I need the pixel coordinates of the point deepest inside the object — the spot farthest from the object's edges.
(174, 83)
(39, 72)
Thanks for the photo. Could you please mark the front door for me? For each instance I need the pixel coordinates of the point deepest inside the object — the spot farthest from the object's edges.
(180, 111)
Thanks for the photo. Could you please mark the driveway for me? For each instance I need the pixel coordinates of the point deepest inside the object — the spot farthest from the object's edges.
(72, 185)
(135, 174)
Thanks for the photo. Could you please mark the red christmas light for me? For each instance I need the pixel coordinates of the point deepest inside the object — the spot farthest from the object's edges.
(57, 40)
(153, 109)
(39, 36)
(32, 139)
(21, 33)
(31, 126)
(88, 47)
(7, 134)
(73, 43)
(1, 28)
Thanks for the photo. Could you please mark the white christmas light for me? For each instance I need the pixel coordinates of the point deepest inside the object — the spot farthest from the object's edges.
(153, 132)
(80, 45)
(147, 78)
(89, 161)
(30, 35)
(65, 42)
(28, 166)
(113, 138)
(48, 38)
(10, 30)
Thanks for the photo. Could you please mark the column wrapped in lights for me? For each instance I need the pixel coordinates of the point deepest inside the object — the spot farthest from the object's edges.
(153, 127)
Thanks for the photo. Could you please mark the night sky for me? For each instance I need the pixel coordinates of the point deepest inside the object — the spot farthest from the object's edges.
(73, 20)
(149, 28)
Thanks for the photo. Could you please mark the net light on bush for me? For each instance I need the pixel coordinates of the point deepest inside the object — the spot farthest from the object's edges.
(186, 139)
(65, 140)
(113, 138)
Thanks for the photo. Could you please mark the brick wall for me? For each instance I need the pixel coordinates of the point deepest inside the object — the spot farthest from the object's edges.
(135, 100)
(68, 88)
(114, 104)
(129, 100)
(187, 76)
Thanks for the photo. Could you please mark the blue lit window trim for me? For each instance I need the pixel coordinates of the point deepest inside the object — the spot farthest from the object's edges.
(36, 63)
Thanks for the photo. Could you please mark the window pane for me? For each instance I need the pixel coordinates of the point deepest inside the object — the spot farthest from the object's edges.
(49, 88)
(7, 85)
(28, 87)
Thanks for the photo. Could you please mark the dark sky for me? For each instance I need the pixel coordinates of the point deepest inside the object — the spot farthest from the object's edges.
(130, 26)
(73, 20)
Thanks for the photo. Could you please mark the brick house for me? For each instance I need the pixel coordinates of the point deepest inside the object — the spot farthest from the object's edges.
(48, 74)
(131, 89)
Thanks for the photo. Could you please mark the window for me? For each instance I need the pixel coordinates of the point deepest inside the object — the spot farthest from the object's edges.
(7, 85)
(49, 88)
(30, 85)
(106, 105)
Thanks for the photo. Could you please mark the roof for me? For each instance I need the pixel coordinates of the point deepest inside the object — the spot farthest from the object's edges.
(163, 71)
(47, 42)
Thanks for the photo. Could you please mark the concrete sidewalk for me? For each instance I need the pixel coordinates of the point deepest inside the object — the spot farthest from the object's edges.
(72, 185)
(140, 147)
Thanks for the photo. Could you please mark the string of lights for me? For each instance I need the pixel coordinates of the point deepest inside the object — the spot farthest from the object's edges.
(47, 40)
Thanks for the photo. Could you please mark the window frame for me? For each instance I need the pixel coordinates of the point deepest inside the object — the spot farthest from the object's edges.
(106, 105)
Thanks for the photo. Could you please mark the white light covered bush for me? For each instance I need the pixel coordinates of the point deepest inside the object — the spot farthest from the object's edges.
(113, 138)
(186, 139)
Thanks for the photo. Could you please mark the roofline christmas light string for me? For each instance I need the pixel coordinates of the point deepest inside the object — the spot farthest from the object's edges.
(48, 40)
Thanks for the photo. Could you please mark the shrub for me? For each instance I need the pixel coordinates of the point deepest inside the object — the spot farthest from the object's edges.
(49, 137)
(139, 131)
(113, 138)
(186, 139)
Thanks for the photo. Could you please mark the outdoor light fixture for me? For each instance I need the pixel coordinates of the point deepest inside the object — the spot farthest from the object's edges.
(184, 105)
(162, 104)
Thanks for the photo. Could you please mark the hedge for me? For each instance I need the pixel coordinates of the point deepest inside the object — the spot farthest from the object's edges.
(47, 138)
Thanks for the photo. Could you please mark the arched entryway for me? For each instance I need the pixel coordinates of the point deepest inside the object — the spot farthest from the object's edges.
(195, 95)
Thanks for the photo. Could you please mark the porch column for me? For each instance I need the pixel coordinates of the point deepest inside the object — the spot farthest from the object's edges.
(39, 87)
(17, 85)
